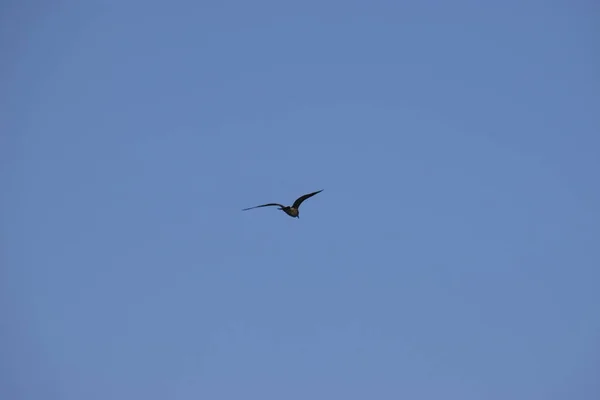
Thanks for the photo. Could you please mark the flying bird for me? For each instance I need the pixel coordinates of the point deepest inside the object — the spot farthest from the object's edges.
(293, 210)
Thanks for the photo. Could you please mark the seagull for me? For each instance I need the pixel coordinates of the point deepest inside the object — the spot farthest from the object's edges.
(293, 210)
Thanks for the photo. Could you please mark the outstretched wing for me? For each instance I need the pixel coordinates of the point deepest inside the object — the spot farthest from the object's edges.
(263, 205)
(302, 198)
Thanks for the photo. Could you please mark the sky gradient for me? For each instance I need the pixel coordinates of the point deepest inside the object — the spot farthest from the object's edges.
(453, 254)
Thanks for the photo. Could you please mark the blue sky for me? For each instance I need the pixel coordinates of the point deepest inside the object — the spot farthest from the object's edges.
(452, 254)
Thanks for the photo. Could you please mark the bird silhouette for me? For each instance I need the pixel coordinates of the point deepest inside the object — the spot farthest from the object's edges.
(293, 210)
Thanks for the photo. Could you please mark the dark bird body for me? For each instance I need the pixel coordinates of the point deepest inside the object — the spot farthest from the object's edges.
(293, 210)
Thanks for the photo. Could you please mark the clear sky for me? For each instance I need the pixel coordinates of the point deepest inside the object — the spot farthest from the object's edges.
(453, 254)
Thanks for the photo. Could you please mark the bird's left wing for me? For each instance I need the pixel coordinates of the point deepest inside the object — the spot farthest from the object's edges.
(263, 205)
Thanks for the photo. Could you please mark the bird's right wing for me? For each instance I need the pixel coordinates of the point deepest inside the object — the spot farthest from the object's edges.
(263, 205)
(300, 199)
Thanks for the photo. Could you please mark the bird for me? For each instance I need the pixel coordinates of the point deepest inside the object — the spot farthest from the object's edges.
(293, 210)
